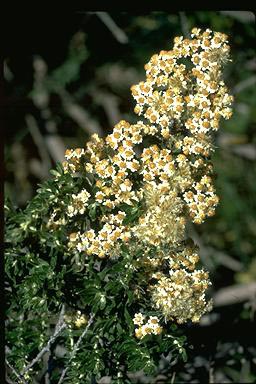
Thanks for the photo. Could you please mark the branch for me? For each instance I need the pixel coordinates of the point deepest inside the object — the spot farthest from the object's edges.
(242, 16)
(234, 294)
(249, 82)
(76, 347)
(19, 376)
(247, 151)
(109, 103)
(111, 25)
(8, 380)
(225, 259)
(209, 254)
(184, 24)
(56, 147)
(58, 329)
(78, 114)
(39, 142)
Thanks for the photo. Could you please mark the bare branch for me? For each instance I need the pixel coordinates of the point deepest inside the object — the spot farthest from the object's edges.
(40, 143)
(19, 376)
(47, 378)
(109, 103)
(78, 114)
(234, 294)
(8, 380)
(242, 16)
(173, 377)
(76, 347)
(45, 349)
(204, 254)
(8, 75)
(58, 329)
(249, 82)
(56, 147)
(117, 32)
(225, 259)
(246, 150)
(211, 376)
(209, 254)
(184, 24)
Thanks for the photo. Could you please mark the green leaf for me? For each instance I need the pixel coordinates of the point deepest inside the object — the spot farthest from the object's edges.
(92, 209)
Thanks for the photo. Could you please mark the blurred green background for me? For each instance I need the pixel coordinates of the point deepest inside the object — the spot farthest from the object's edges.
(70, 76)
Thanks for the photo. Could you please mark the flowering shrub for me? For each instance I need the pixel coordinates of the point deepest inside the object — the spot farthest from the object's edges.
(106, 239)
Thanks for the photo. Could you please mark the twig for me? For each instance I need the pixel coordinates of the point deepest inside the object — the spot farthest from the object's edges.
(242, 16)
(247, 151)
(211, 373)
(207, 261)
(221, 257)
(116, 31)
(234, 294)
(40, 143)
(19, 376)
(40, 94)
(78, 114)
(45, 349)
(76, 347)
(249, 82)
(61, 316)
(173, 377)
(184, 24)
(225, 259)
(47, 378)
(21, 174)
(8, 75)
(109, 103)
(7, 349)
(58, 328)
(56, 147)
(8, 380)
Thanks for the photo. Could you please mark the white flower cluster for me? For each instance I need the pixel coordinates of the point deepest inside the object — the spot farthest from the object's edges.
(79, 203)
(102, 242)
(151, 327)
(160, 168)
(181, 296)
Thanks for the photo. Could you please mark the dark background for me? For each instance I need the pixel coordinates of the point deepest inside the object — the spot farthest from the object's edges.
(69, 75)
